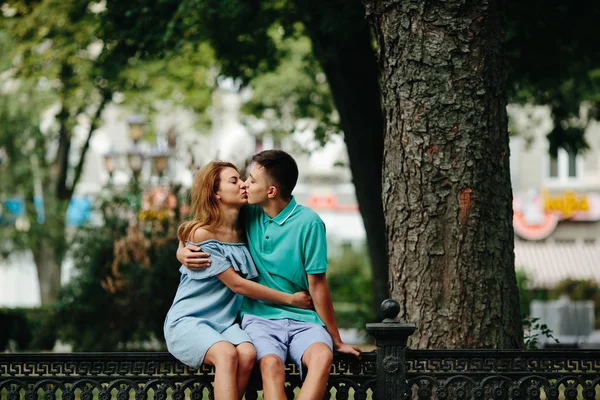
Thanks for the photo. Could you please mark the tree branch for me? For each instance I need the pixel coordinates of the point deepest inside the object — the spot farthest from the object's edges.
(93, 126)
(62, 156)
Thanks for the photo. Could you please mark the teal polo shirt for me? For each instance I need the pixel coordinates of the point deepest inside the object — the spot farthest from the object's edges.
(285, 250)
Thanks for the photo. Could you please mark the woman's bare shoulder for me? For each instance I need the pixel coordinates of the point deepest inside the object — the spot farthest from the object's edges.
(202, 234)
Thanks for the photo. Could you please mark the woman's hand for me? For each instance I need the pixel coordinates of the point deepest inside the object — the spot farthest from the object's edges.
(302, 300)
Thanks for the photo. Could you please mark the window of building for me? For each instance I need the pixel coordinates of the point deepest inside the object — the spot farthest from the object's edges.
(565, 166)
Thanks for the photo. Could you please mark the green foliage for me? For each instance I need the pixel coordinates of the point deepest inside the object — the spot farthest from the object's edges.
(579, 290)
(349, 279)
(525, 292)
(555, 62)
(23, 144)
(263, 46)
(27, 329)
(533, 331)
(53, 56)
(126, 277)
(296, 90)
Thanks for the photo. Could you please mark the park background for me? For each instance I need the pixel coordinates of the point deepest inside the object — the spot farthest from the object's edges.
(107, 109)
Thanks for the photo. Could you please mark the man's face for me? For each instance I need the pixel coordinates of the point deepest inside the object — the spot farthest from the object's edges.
(257, 185)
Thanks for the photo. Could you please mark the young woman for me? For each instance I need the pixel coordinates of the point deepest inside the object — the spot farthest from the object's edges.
(200, 327)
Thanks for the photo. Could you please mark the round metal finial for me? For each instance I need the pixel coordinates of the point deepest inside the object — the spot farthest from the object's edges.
(390, 309)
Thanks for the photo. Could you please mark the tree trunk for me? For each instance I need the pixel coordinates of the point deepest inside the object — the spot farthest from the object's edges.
(347, 57)
(48, 270)
(446, 186)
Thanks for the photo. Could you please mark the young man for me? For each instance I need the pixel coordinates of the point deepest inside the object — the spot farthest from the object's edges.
(288, 245)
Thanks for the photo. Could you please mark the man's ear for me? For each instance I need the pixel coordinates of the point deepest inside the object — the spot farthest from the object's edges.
(272, 192)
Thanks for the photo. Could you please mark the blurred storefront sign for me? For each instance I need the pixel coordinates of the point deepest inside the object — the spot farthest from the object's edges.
(12, 211)
(329, 202)
(536, 214)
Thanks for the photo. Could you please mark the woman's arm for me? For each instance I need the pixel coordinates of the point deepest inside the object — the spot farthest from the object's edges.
(256, 291)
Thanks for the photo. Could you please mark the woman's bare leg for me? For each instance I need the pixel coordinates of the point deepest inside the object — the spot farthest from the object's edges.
(224, 357)
(246, 359)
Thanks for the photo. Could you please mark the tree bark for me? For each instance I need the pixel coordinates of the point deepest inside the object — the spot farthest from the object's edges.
(49, 243)
(48, 271)
(348, 60)
(447, 194)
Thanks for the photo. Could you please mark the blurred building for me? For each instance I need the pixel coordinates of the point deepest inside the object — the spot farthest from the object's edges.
(556, 201)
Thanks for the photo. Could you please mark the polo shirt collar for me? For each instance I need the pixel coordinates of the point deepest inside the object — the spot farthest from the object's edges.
(283, 214)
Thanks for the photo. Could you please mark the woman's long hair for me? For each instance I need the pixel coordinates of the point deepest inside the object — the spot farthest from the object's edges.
(205, 210)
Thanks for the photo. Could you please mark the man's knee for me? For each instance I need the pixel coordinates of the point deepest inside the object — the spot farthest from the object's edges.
(318, 355)
(271, 366)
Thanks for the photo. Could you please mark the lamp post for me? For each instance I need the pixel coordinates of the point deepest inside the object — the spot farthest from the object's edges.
(161, 155)
(110, 164)
(136, 124)
(160, 162)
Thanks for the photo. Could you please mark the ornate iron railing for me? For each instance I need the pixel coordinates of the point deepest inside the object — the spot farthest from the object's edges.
(489, 374)
(157, 376)
(390, 372)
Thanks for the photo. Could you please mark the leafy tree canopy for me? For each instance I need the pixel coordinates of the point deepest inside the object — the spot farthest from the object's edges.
(551, 54)
(553, 59)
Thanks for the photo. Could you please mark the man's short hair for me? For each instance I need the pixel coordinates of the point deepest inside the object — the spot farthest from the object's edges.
(281, 168)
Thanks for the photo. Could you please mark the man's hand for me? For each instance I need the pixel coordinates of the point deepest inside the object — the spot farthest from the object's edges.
(302, 300)
(347, 349)
(192, 257)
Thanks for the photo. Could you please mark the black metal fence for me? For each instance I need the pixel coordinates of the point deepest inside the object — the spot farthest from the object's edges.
(390, 372)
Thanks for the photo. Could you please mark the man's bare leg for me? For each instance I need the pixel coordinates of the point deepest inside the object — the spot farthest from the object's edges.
(246, 358)
(224, 357)
(273, 377)
(317, 358)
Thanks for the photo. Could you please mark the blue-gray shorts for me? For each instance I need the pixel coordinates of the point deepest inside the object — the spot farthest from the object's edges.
(284, 337)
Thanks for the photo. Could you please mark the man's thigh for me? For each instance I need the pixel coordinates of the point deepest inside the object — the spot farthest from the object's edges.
(268, 336)
(302, 336)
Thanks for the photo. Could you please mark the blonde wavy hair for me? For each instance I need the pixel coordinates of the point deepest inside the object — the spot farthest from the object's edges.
(205, 209)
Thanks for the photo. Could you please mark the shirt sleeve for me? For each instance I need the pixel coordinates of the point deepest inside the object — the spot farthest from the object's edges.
(218, 262)
(315, 249)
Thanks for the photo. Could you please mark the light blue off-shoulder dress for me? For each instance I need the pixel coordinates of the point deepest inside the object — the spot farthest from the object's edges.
(204, 311)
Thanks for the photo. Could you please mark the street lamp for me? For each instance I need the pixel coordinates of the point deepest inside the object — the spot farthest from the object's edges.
(110, 163)
(160, 155)
(160, 162)
(135, 160)
(136, 124)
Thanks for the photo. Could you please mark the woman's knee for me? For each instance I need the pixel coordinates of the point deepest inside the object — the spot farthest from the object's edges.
(222, 354)
(246, 355)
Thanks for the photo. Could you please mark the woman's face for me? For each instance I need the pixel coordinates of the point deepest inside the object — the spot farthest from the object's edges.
(232, 190)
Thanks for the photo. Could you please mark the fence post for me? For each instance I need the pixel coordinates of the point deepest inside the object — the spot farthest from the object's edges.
(391, 337)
